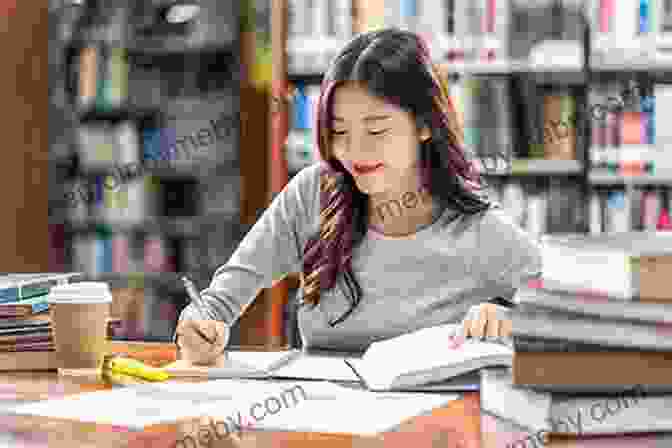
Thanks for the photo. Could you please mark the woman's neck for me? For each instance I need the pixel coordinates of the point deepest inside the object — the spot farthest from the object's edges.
(402, 213)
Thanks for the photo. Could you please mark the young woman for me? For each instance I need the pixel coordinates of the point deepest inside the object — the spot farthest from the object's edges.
(391, 230)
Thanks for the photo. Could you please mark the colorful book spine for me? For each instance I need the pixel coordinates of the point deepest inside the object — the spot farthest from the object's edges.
(618, 211)
(88, 76)
(651, 210)
(644, 16)
(595, 214)
(120, 253)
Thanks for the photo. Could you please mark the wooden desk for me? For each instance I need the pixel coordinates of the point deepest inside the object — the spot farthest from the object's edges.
(455, 426)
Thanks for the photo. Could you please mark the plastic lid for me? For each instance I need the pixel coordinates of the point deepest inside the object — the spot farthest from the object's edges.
(81, 292)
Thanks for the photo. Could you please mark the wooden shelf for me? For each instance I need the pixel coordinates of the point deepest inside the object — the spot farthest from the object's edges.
(90, 115)
(185, 226)
(305, 78)
(604, 177)
(538, 167)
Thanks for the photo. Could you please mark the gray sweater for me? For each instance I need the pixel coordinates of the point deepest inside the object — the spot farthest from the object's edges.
(429, 278)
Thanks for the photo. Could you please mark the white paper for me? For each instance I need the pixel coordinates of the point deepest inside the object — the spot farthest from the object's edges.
(360, 412)
(241, 389)
(120, 407)
(139, 406)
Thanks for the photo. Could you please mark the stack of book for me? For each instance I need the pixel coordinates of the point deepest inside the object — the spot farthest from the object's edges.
(26, 333)
(592, 339)
(25, 325)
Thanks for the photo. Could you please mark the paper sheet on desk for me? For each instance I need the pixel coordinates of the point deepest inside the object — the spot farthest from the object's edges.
(356, 412)
(136, 407)
(122, 406)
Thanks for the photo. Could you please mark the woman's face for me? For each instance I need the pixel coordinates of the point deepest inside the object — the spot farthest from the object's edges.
(376, 141)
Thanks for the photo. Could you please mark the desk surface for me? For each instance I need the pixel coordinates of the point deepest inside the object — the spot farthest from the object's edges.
(454, 426)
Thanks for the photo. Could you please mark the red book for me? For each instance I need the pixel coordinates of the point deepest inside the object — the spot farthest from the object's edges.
(606, 13)
(664, 222)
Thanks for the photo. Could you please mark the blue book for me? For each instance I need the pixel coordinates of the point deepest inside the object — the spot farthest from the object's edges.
(16, 287)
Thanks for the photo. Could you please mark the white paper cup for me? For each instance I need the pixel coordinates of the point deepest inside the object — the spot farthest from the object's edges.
(79, 313)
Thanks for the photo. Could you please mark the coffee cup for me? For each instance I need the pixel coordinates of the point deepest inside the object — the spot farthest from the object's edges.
(79, 313)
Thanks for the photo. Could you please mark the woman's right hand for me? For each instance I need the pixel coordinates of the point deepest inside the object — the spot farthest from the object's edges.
(201, 341)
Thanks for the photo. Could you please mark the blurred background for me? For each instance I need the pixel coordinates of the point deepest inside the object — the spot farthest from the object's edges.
(170, 125)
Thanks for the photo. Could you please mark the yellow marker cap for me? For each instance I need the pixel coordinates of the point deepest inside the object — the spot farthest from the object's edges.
(136, 368)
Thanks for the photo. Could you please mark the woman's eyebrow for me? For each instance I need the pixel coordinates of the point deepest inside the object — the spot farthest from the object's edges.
(367, 118)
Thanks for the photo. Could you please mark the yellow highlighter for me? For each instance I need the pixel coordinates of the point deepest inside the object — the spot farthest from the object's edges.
(128, 366)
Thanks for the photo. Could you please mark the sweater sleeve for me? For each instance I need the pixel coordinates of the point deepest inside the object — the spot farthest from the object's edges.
(269, 251)
(509, 257)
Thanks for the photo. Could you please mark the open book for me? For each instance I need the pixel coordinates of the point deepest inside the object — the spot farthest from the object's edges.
(411, 361)
(426, 357)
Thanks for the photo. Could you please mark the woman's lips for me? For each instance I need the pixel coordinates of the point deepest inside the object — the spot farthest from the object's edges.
(365, 169)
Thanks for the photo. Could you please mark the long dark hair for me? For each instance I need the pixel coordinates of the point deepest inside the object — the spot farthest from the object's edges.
(393, 65)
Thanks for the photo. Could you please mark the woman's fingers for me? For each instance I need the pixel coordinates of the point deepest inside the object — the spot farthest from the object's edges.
(483, 321)
(201, 341)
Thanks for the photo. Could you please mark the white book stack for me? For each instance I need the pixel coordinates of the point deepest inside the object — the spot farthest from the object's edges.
(537, 204)
(558, 413)
(318, 14)
(84, 254)
(515, 202)
(619, 218)
(595, 214)
(662, 26)
(439, 18)
(95, 145)
(498, 24)
(469, 20)
(317, 31)
(296, 31)
(405, 14)
(128, 149)
(617, 39)
(663, 96)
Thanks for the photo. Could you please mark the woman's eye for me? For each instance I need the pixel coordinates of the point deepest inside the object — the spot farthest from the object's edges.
(378, 132)
(333, 132)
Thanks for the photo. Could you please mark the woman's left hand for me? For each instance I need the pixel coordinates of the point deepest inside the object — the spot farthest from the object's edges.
(487, 320)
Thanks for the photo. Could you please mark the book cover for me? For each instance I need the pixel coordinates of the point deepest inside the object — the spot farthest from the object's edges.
(532, 321)
(603, 371)
(597, 305)
(24, 307)
(632, 410)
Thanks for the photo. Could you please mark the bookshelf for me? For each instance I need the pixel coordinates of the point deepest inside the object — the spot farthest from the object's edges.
(549, 59)
(154, 167)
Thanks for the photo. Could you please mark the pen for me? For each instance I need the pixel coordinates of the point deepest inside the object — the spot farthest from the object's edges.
(195, 298)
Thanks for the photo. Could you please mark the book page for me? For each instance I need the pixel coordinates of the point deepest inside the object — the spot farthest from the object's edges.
(422, 350)
(317, 367)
